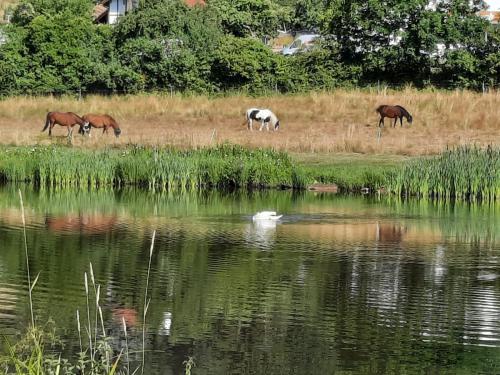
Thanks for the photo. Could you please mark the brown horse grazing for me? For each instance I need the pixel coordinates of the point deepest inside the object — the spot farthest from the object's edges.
(68, 119)
(393, 111)
(104, 122)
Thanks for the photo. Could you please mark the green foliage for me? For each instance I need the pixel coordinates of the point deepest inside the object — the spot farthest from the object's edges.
(398, 41)
(245, 63)
(28, 9)
(223, 166)
(320, 68)
(255, 18)
(14, 66)
(166, 43)
(308, 14)
(57, 54)
(23, 14)
(53, 46)
(349, 178)
(463, 173)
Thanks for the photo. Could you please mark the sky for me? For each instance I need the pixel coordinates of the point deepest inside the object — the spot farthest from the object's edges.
(494, 4)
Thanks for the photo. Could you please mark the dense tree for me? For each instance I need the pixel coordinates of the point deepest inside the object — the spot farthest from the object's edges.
(53, 46)
(29, 9)
(169, 44)
(308, 14)
(257, 18)
(60, 51)
(244, 63)
(399, 41)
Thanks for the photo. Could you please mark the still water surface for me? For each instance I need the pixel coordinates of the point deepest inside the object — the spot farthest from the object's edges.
(344, 285)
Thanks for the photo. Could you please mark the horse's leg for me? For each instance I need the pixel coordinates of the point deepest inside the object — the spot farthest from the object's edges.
(267, 125)
(50, 128)
(401, 121)
(250, 124)
(395, 122)
(105, 130)
(261, 125)
(381, 122)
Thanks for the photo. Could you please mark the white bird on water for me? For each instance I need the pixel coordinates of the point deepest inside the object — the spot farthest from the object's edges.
(266, 215)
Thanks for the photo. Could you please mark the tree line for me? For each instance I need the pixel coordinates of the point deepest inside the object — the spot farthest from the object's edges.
(54, 46)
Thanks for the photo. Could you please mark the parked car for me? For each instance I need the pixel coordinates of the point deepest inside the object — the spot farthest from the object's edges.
(300, 44)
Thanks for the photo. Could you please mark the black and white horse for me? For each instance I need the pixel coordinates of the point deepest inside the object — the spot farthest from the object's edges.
(265, 116)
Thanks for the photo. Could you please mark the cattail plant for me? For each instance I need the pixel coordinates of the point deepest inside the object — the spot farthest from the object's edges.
(468, 173)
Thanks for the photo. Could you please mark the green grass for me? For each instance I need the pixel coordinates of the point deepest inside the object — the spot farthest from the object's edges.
(468, 173)
(223, 166)
(170, 169)
(462, 173)
(350, 172)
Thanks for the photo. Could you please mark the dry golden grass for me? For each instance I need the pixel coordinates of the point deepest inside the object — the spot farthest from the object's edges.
(4, 4)
(342, 121)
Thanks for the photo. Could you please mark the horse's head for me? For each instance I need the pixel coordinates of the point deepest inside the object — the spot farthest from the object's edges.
(410, 118)
(277, 125)
(86, 127)
(117, 132)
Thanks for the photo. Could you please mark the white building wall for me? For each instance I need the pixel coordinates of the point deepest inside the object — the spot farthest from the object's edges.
(116, 9)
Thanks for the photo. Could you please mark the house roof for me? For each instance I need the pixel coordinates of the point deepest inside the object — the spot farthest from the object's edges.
(100, 11)
(192, 3)
(491, 15)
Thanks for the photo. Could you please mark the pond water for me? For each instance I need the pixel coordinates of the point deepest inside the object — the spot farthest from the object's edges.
(340, 285)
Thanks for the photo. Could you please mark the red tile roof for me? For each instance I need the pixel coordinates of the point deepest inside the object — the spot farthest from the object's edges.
(192, 3)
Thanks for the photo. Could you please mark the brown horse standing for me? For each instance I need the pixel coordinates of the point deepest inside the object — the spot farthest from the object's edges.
(104, 122)
(393, 111)
(68, 119)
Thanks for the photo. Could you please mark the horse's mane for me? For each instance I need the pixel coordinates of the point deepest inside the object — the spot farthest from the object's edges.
(405, 112)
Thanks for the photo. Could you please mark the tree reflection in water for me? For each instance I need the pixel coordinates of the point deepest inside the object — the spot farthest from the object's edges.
(348, 285)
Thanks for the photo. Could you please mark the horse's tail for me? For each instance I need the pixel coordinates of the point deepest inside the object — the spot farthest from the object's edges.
(47, 122)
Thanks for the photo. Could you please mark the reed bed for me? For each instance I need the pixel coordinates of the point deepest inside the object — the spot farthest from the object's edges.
(468, 172)
(154, 168)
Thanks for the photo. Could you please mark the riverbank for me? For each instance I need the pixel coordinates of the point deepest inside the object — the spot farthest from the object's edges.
(469, 173)
(342, 121)
(226, 166)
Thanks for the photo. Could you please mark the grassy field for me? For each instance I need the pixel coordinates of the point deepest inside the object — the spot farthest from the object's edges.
(311, 124)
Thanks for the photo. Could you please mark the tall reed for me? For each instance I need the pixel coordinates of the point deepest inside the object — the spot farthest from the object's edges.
(146, 303)
(221, 166)
(30, 287)
(466, 172)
